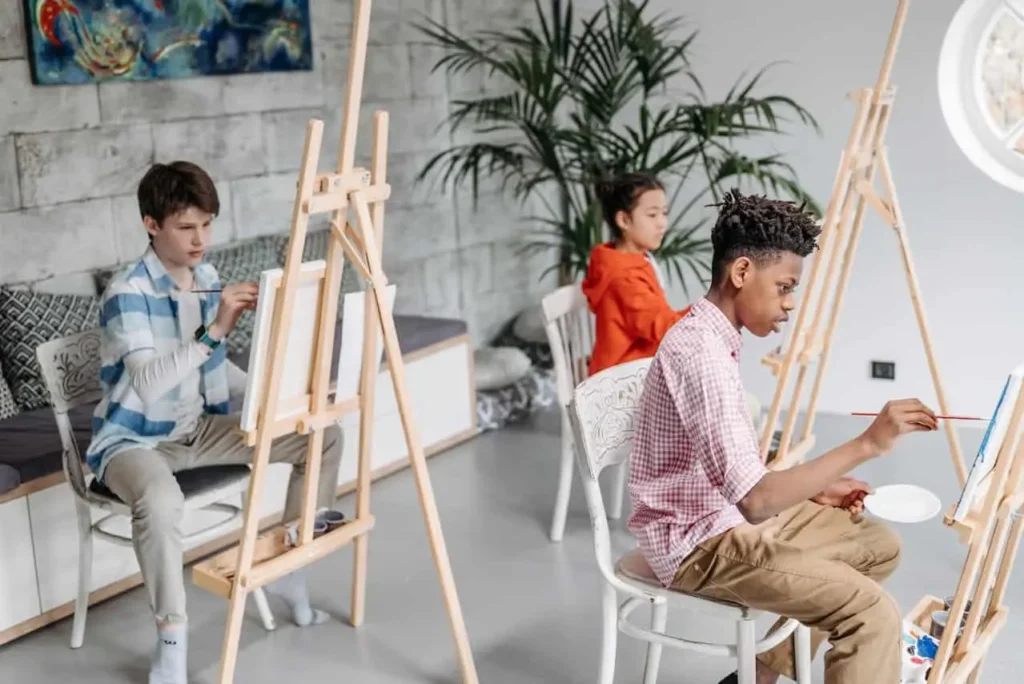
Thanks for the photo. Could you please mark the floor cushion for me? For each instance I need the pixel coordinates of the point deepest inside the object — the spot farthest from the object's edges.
(498, 367)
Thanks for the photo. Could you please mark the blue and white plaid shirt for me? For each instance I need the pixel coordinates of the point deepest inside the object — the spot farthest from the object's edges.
(139, 312)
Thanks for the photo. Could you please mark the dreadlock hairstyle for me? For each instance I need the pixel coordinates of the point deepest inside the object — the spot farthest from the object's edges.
(760, 229)
(621, 193)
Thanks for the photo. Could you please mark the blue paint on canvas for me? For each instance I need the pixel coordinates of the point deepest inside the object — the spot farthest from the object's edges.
(85, 41)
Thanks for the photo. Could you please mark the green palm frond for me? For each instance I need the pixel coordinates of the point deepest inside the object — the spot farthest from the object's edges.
(577, 103)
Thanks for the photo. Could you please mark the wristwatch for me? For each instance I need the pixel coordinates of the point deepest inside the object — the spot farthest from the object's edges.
(203, 335)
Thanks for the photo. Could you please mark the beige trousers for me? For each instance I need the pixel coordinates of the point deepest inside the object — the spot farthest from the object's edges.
(818, 565)
(144, 479)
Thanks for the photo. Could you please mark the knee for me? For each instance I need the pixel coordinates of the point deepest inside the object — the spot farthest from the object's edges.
(160, 507)
(887, 546)
(882, 617)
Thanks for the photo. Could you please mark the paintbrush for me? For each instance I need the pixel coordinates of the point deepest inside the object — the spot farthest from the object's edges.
(863, 413)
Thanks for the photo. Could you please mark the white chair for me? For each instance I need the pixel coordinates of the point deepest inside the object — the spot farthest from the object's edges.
(70, 368)
(603, 414)
(570, 331)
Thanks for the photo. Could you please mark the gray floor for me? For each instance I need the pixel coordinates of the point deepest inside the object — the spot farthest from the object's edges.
(531, 606)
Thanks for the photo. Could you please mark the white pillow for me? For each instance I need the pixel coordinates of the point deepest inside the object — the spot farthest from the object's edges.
(498, 367)
(529, 325)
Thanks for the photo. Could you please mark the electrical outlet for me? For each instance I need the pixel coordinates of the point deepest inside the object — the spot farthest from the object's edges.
(883, 370)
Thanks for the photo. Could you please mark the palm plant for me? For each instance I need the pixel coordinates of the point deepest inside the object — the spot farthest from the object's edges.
(588, 100)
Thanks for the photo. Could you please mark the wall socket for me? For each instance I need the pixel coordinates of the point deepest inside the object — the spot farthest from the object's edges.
(883, 370)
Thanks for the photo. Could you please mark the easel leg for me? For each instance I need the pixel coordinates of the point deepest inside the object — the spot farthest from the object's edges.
(368, 378)
(426, 492)
(922, 322)
(367, 391)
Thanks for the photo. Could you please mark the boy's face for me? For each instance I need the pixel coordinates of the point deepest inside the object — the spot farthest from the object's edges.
(765, 292)
(645, 226)
(182, 239)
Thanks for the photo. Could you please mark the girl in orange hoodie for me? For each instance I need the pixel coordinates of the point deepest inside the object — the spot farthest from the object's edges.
(622, 284)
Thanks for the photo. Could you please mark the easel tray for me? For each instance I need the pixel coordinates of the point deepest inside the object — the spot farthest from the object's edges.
(274, 557)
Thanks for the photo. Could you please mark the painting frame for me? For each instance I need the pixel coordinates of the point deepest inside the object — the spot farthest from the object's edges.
(80, 42)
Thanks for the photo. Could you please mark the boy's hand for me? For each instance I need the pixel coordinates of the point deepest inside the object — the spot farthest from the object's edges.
(235, 299)
(896, 419)
(846, 492)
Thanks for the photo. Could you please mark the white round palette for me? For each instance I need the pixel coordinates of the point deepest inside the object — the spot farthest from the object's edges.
(903, 503)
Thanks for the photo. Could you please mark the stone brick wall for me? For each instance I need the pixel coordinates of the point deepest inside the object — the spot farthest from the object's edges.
(71, 158)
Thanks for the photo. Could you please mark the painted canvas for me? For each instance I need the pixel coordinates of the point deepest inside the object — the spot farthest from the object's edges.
(86, 41)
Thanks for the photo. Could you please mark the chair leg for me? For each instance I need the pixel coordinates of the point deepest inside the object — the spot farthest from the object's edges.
(267, 617)
(745, 651)
(802, 654)
(618, 490)
(564, 484)
(609, 640)
(84, 572)
(659, 620)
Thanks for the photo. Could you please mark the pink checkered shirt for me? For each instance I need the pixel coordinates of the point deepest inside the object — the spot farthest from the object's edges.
(696, 452)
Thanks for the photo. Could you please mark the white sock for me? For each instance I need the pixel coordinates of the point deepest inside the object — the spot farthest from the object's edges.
(292, 588)
(170, 662)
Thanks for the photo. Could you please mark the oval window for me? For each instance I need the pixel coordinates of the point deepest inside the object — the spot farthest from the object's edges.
(981, 86)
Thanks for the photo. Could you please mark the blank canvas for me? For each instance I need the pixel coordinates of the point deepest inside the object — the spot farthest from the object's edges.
(299, 346)
(352, 326)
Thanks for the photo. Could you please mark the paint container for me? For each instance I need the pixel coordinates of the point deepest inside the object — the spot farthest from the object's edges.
(939, 619)
(333, 518)
(319, 527)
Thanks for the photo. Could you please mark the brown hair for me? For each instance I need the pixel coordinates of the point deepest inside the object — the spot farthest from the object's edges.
(621, 194)
(167, 189)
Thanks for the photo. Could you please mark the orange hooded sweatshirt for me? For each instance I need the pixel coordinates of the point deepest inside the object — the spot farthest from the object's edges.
(630, 306)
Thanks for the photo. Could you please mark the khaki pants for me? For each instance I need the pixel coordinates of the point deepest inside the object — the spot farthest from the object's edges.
(820, 566)
(144, 479)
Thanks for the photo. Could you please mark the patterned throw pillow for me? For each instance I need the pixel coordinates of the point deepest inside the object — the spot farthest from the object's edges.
(8, 407)
(28, 319)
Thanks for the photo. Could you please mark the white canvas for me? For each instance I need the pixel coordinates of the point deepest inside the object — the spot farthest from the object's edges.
(352, 326)
(299, 346)
(991, 444)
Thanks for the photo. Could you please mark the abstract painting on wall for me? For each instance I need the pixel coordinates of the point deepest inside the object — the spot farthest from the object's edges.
(86, 41)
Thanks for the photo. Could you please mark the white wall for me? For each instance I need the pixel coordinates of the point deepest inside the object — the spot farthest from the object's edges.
(964, 229)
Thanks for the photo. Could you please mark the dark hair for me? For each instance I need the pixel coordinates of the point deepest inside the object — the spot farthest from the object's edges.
(167, 189)
(759, 228)
(621, 194)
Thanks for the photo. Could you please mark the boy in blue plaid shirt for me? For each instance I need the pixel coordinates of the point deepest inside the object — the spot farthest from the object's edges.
(166, 383)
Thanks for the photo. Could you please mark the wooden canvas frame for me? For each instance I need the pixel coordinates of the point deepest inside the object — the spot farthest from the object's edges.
(854, 189)
(261, 559)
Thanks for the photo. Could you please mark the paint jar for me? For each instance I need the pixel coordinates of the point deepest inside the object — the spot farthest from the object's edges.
(319, 527)
(939, 619)
(331, 517)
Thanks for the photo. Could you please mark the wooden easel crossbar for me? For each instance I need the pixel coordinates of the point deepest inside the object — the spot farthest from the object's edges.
(262, 558)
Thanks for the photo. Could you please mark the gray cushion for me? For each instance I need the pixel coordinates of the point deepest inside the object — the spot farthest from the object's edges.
(9, 479)
(29, 442)
(192, 482)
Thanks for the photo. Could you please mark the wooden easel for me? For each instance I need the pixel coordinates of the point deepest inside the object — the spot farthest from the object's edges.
(854, 188)
(261, 559)
(992, 530)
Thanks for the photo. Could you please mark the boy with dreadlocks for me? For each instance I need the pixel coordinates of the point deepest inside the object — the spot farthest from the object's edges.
(711, 519)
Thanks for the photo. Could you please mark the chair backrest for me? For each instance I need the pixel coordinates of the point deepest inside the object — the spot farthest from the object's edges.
(71, 370)
(570, 330)
(603, 415)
